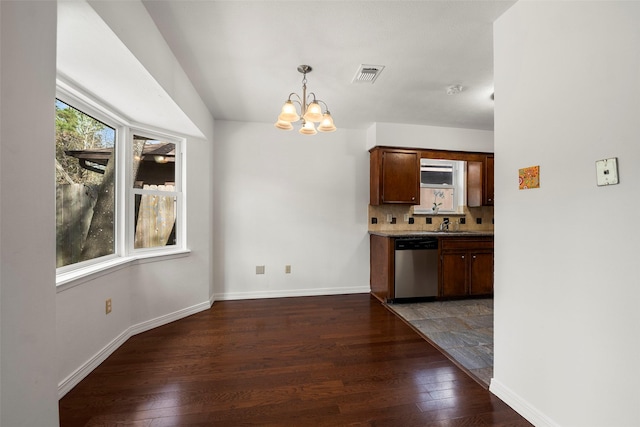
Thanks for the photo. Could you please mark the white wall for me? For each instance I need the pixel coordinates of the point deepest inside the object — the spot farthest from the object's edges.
(566, 272)
(27, 226)
(150, 293)
(286, 198)
(434, 137)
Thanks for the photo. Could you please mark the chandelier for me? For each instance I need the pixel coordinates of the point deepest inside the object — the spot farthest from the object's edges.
(310, 112)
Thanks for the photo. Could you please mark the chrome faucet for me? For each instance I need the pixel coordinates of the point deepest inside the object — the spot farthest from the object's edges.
(445, 225)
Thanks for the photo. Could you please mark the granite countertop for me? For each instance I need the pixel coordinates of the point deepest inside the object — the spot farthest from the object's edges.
(412, 233)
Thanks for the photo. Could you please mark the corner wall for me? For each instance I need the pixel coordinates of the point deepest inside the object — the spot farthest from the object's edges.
(566, 270)
(27, 225)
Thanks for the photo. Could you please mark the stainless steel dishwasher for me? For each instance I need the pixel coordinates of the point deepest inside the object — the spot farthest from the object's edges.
(416, 268)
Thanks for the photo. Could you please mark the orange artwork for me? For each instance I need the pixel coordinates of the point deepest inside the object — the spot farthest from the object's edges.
(529, 177)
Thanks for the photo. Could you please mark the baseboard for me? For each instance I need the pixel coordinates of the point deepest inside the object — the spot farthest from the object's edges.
(521, 406)
(79, 374)
(168, 318)
(284, 293)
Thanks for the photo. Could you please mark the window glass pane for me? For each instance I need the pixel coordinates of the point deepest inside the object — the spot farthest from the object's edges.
(443, 198)
(155, 219)
(436, 175)
(153, 162)
(85, 186)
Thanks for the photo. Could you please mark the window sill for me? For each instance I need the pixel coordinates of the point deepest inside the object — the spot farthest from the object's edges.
(77, 277)
(430, 213)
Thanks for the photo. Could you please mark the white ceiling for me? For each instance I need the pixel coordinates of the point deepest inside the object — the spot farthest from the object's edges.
(242, 57)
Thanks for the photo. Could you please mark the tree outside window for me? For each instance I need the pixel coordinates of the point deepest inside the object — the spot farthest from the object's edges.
(85, 186)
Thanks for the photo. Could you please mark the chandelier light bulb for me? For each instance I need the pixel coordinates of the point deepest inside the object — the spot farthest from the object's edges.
(283, 124)
(289, 113)
(313, 113)
(308, 129)
(327, 123)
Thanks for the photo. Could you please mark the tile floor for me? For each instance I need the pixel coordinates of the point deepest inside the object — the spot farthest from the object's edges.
(462, 329)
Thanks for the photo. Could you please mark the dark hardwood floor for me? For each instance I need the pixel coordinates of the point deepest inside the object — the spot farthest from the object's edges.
(312, 361)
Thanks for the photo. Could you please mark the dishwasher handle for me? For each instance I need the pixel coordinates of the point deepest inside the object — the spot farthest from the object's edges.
(422, 243)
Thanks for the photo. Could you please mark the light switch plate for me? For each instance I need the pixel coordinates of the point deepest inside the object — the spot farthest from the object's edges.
(607, 171)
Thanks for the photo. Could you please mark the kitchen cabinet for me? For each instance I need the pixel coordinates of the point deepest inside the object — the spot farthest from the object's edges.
(480, 182)
(394, 176)
(466, 267)
(488, 181)
(382, 264)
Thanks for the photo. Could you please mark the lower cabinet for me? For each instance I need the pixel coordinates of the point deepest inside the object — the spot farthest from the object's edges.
(466, 267)
(382, 267)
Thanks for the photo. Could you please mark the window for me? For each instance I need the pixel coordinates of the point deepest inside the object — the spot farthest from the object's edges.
(154, 190)
(85, 186)
(441, 186)
(110, 177)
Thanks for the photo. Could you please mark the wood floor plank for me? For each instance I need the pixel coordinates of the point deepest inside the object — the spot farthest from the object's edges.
(313, 361)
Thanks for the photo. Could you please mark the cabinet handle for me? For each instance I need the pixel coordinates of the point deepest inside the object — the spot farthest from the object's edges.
(474, 257)
(462, 256)
(413, 198)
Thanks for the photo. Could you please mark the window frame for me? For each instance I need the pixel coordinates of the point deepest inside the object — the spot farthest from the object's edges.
(124, 254)
(178, 192)
(458, 185)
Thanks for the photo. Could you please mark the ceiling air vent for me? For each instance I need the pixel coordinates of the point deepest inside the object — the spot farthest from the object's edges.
(368, 73)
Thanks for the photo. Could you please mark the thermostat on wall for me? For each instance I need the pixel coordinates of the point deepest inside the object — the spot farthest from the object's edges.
(607, 171)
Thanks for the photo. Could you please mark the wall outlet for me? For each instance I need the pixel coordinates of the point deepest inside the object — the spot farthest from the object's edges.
(389, 218)
(107, 306)
(259, 269)
(406, 217)
(287, 269)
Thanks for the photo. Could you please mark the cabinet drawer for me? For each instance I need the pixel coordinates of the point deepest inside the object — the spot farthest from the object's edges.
(466, 243)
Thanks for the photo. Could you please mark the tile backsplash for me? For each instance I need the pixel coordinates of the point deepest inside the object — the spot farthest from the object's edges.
(474, 219)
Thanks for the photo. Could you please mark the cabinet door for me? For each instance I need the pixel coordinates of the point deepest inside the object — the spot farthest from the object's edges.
(475, 183)
(481, 278)
(381, 267)
(488, 181)
(453, 274)
(480, 182)
(400, 177)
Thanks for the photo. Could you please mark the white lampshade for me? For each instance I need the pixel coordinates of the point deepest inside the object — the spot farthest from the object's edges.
(327, 123)
(284, 125)
(313, 113)
(308, 129)
(289, 113)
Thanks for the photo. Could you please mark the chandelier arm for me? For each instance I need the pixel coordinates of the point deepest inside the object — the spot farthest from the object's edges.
(299, 101)
(311, 94)
(326, 107)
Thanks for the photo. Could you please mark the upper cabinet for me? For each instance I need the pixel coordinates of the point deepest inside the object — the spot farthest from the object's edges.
(394, 176)
(480, 182)
(488, 181)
